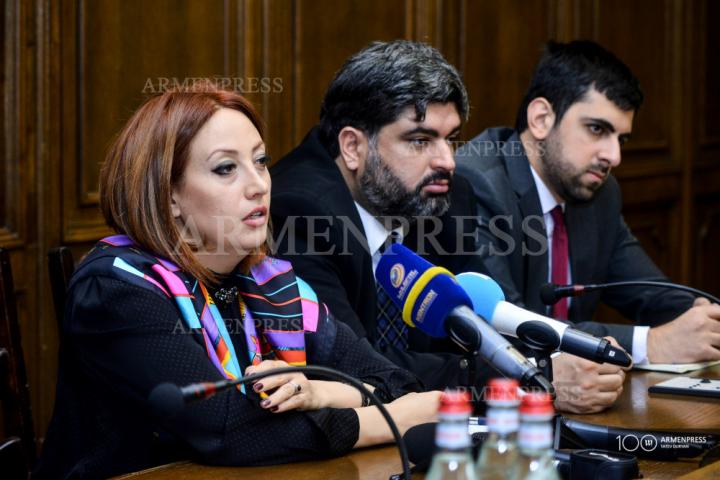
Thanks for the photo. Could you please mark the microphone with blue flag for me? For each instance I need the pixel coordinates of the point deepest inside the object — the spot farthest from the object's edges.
(432, 301)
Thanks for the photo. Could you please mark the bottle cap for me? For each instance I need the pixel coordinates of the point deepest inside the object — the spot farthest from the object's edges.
(455, 402)
(537, 404)
(502, 391)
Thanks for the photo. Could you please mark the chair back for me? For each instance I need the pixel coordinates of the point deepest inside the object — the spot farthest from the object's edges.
(61, 267)
(14, 388)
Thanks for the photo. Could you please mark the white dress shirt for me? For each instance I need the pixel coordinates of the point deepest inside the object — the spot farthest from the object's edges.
(547, 203)
(376, 234)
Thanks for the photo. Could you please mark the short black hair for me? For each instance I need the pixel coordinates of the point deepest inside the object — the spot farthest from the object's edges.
(567, 71)
(376, 84)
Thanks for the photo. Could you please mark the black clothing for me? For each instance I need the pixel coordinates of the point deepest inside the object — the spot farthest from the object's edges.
(121, 337)
(318, 228)
(602, 248)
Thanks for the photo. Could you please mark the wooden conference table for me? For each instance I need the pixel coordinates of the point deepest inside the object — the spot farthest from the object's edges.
(635, 409)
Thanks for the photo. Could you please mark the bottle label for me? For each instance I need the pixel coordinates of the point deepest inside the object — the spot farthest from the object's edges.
(535, 436)
(453, 436)
(503, 421)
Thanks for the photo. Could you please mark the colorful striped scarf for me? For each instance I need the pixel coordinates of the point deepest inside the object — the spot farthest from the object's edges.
(276, 306)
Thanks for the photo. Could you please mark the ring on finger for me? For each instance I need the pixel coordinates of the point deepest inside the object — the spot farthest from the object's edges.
(297, 388)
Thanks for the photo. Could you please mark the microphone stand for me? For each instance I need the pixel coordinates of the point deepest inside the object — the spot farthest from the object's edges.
(544, 362)
(577, 290)
(543, 340)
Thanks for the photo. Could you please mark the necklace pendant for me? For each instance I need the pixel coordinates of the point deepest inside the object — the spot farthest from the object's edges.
(226, 295)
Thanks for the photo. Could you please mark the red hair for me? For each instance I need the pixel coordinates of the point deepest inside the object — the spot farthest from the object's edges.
(148, 158)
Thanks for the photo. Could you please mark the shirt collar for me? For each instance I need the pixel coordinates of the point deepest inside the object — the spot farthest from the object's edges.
(547, 200)
(375, 232)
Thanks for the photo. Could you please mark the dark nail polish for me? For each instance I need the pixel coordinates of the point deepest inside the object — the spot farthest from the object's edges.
(274, 409)
(257, 387)
(265, 403)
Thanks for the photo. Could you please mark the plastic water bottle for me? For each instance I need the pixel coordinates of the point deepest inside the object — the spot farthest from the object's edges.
(535, 438)
(499, 455)
(453, 461)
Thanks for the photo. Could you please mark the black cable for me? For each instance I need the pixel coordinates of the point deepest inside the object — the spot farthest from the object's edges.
(160, 395)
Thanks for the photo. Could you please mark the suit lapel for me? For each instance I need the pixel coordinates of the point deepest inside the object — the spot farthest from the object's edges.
(358, 246)
(347, 218)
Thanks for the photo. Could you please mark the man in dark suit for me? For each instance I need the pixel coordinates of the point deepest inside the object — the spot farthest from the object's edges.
(380, 165)
(550, 210)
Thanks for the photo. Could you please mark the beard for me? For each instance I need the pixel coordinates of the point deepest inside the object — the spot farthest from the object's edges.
(563, 177)
(386, 195)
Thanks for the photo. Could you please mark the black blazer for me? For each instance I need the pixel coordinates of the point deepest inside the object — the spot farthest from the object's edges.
(602, 248)
(317, 227)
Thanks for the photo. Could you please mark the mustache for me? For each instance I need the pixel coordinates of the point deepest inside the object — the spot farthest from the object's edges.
(441, 175)
(603, 170)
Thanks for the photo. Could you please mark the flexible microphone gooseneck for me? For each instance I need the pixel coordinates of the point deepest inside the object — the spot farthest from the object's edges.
(168, 399)
(550, 293)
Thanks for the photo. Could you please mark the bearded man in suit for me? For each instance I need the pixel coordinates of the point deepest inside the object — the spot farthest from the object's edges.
(550, 210)
(379, 168)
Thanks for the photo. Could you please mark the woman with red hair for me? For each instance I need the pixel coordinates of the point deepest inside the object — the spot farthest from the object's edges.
(187, 292)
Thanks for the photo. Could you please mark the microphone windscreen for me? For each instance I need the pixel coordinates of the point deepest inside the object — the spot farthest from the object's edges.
(484, 292)
(166, 400)
(424, 293)
(548, 296)
(420, 442)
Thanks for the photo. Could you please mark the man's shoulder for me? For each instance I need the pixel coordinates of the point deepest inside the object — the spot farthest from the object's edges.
(608, 200)
(304, 174)
(484, 156)
(307, 175)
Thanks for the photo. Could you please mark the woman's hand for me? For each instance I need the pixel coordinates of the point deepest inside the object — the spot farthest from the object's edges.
(288, 391)
(293, 391)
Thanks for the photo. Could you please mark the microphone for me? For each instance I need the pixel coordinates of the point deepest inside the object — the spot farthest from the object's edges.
(532, 328)
(551, 293)
(167, 399)
(650, 444)
(431, 300)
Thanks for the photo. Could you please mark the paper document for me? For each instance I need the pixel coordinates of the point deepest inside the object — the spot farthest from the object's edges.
(675, 367)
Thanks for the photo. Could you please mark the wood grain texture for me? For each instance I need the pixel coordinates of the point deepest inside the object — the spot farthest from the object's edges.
(635, 409)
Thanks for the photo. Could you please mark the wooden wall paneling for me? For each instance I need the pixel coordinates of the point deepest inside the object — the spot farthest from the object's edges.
(13, 167)
(326, 34)
(424, 21)
(503, 40)
(46, 103)
(649, 37)
(19, 173)
(451, 34)
(114, 54)
(273, 58)
(642, 36)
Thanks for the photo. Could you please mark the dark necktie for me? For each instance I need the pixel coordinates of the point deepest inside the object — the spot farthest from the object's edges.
(391, 328)
(559, 260)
